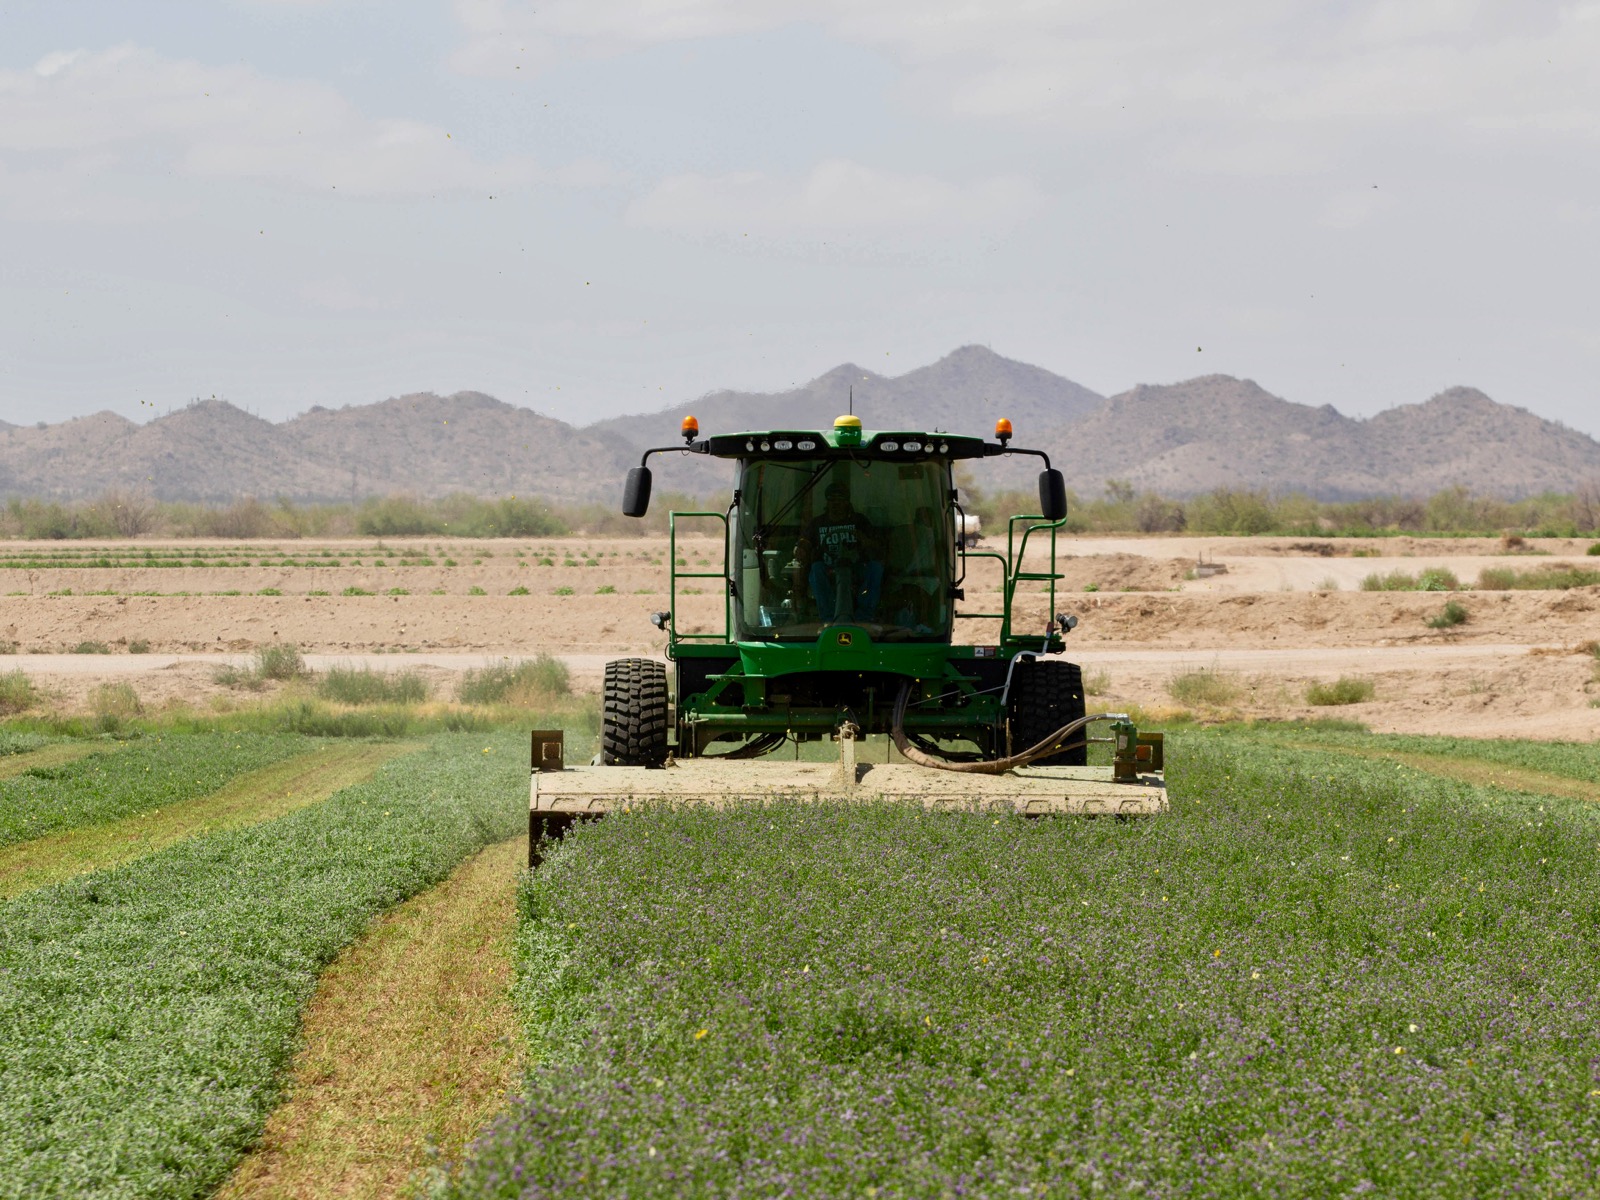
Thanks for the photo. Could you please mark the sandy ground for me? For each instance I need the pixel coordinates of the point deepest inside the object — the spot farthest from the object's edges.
(1282, 614)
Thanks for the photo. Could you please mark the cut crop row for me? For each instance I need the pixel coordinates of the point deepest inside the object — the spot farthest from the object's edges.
(1313, 977)
(135, 777)
(146, 1012)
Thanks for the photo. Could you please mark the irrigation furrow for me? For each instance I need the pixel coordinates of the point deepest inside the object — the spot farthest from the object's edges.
(409, 1042)
(249, 799)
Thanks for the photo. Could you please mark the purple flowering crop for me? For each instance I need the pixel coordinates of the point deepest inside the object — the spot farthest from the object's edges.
(1314, 977)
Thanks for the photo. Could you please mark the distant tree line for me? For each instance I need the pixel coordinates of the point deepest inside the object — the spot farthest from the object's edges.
(1119, 509)
(1456, 511)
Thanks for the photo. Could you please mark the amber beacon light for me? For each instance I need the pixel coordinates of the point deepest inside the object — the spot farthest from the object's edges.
(691, 429)
(1002, 430)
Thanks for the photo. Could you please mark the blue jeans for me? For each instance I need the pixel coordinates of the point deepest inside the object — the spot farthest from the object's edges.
(867, 582)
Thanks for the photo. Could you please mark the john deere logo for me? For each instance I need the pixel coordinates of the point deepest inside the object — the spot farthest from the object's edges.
(845, 639)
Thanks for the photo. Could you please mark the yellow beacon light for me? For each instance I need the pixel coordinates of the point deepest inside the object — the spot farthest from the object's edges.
(1002, 430)
(691, 429)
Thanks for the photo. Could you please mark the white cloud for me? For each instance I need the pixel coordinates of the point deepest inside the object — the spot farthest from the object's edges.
(1222, 69)
(129, 108)
(836, 202)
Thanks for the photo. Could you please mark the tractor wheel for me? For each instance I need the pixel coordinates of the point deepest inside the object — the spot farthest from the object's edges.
(1045, 695)
(633, 724)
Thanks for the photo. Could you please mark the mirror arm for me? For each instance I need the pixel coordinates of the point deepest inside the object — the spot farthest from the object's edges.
(694, 448)
(992, 451)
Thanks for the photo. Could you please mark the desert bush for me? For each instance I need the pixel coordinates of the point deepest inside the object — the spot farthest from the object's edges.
(1344, 690)
(16, 692)
(1155, 514)
(114, 705)
(1452, 614)
(1207, 686)
(279, 661)
(248, 518)
(524, 681)
(1394, 581)
(91, 648)
(138, 646)
(362, 685)
(125, 514)
(1593, 550)
(238, 678)
(1553, 576)
(1227, 510)
(1438, 579)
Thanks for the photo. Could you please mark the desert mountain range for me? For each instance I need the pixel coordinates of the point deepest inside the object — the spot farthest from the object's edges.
(1178, 439)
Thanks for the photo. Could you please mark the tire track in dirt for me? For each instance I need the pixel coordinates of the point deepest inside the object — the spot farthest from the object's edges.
(410, 1044)
(248, 799)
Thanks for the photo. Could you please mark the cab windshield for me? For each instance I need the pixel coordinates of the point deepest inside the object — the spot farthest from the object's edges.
(861, 542)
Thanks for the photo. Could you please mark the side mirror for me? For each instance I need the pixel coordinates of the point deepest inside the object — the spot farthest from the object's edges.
(1052, 495)
(636, 493)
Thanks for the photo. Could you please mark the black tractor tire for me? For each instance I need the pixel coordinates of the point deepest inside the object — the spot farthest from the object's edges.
(633, 721)
(1045, 695)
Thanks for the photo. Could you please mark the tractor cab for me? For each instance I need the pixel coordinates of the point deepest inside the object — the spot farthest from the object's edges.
(861, 540)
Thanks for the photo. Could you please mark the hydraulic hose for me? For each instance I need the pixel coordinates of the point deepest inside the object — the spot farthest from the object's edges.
(995, 766)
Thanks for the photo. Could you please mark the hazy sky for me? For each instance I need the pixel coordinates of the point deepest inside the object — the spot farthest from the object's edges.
(592, 207)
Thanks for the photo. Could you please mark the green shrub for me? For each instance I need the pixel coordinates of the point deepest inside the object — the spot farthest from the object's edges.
(519, 590)
(475, 590)
(605, 589)
(1344, 690)
(1550, 577)
(561, 591)
(398, 592)
(1594, 549)
(355, 591)
(16, 692)
(362, 685)
(138, 646)
(1438, 579)
(280, 661)
(114, 705)
(1452, 614)
(523, 681)
(1431, 579)
(1208, 686)
(270, 591)
(91, 648)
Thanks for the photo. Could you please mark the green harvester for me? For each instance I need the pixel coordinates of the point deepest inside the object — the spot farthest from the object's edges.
(845, 560)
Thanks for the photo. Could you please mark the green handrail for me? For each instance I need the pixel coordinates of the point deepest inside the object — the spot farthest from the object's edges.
(673, 636)
(1015, 554)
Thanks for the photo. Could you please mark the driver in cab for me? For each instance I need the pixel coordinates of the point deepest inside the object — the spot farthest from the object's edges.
(841, 554)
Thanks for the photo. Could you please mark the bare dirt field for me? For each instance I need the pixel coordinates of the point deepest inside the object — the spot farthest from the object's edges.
(1279, 615)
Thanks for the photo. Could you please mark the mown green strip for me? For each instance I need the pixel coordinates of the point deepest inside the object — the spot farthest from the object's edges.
(1476, 771)
(147, 1011)
(51, 756)
(248, 799)
(155, 771)
(1316, 976)
(1570, 760)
